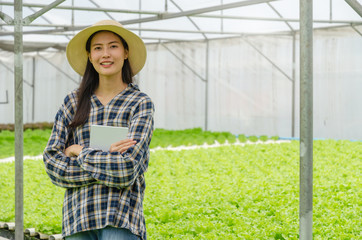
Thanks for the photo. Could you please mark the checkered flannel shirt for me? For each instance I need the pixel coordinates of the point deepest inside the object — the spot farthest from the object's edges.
(102, 188)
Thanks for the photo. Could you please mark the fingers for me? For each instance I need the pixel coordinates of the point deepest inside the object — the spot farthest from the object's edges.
(73, 150)
(67, 152)
(122, 146)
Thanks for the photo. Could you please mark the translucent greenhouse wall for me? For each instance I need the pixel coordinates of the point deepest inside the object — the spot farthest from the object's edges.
(249, 85)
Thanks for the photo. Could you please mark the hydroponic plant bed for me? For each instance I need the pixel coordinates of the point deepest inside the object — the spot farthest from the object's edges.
(36, 140)
(229, 192)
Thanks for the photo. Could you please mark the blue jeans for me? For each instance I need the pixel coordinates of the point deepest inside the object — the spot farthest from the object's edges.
(107, 233)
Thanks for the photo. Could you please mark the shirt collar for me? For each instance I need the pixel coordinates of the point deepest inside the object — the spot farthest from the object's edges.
(134, 86)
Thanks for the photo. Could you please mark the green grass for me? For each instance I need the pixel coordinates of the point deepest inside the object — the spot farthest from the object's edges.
(36, 140)
(230, 192)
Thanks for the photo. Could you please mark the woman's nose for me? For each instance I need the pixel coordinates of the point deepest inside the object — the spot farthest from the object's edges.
(106, 52)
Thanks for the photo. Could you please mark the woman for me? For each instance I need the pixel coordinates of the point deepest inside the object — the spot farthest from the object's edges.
(104, 190)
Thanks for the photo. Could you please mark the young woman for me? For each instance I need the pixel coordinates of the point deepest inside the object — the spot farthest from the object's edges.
(104, 189)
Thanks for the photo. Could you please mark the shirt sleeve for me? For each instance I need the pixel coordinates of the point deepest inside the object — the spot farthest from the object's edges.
(63, 171)
(115, 169)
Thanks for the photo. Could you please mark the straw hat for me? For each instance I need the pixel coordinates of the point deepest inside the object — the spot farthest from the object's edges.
(78, 56)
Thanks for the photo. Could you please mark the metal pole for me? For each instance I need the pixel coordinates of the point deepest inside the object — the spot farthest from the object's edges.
(139, 16)
(164, 16)
(356, 6)
(268, 59)
(18, 66)
(183, 62)
(190, 19)
(293, 85)
(330, 10)
(45, 9)
(222, 19)
(33, 98)
(166, 6)
(207, 87)
(6, 18)
(306, 121)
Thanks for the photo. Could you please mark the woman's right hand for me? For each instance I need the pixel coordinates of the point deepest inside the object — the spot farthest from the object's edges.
(122, 146)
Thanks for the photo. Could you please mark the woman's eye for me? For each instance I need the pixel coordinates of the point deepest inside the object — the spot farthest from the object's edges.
(97, 48)
(114, 46)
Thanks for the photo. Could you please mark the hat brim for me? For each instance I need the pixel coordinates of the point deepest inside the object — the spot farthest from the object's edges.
(78, 56)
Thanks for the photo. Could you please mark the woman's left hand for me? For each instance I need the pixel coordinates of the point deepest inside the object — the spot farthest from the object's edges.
(122, 146)
(73, 150)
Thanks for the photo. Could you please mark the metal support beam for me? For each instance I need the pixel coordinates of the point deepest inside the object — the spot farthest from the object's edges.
(43, 17)
(59, 69)
(139, 16)
(18, 94)
(280, 15)
(355, 5)
(273, 19)
(222, 19)
(186, 65)
(357, 31)
(166, 6)
(99, 7)
(207, 86)
(162, 16)
(6, 18)
(11, 70)
(293, 83)
(87, 9)
(33, 92)
(306, 121)
(63, 29)
(190, 19)
(7, 98)
(34, 16)
(197, 11)
(268, 59)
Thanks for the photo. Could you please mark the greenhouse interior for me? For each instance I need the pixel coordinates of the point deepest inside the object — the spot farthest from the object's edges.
(219, 65)
(224, 67)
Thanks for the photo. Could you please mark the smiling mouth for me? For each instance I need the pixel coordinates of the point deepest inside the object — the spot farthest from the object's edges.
(106, 63)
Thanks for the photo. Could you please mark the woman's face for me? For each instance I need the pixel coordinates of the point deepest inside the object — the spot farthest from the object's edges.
(107, 54)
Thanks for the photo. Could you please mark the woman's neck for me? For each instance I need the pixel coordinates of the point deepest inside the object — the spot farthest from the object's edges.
(109, 88)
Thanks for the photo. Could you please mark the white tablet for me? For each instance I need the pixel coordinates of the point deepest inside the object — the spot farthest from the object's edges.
(101, 137)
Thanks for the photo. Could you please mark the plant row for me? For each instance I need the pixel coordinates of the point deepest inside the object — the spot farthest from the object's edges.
(228, 192)
(33, 126)
(36, 140)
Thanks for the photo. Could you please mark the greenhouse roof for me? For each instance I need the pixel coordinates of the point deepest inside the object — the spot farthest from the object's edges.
(170, 20)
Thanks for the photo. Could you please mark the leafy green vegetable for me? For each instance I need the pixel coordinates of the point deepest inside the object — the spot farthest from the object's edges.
(229, 192)
(253, 138)
(263, 138)
(36, 140)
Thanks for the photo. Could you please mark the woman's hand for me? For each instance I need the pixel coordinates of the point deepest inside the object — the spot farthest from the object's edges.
(73, 150)
(122, 146)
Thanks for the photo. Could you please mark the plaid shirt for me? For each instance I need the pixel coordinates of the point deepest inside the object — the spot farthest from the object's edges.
(102, 188)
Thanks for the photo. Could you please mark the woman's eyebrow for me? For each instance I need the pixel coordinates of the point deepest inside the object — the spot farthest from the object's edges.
(94, 44)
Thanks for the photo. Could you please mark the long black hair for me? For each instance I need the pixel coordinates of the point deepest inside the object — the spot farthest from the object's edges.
(90, 83)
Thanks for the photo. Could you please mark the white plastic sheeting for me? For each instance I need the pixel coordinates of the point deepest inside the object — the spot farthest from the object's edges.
(47, 78)
(248, 93)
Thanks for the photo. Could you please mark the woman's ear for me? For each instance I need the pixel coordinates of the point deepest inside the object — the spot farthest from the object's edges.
(89, 57)
(125, 54)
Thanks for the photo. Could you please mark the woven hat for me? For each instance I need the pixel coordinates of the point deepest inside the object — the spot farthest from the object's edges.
(78, 56)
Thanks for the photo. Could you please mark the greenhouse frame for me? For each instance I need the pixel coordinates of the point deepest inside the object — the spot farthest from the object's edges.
(257, 67)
